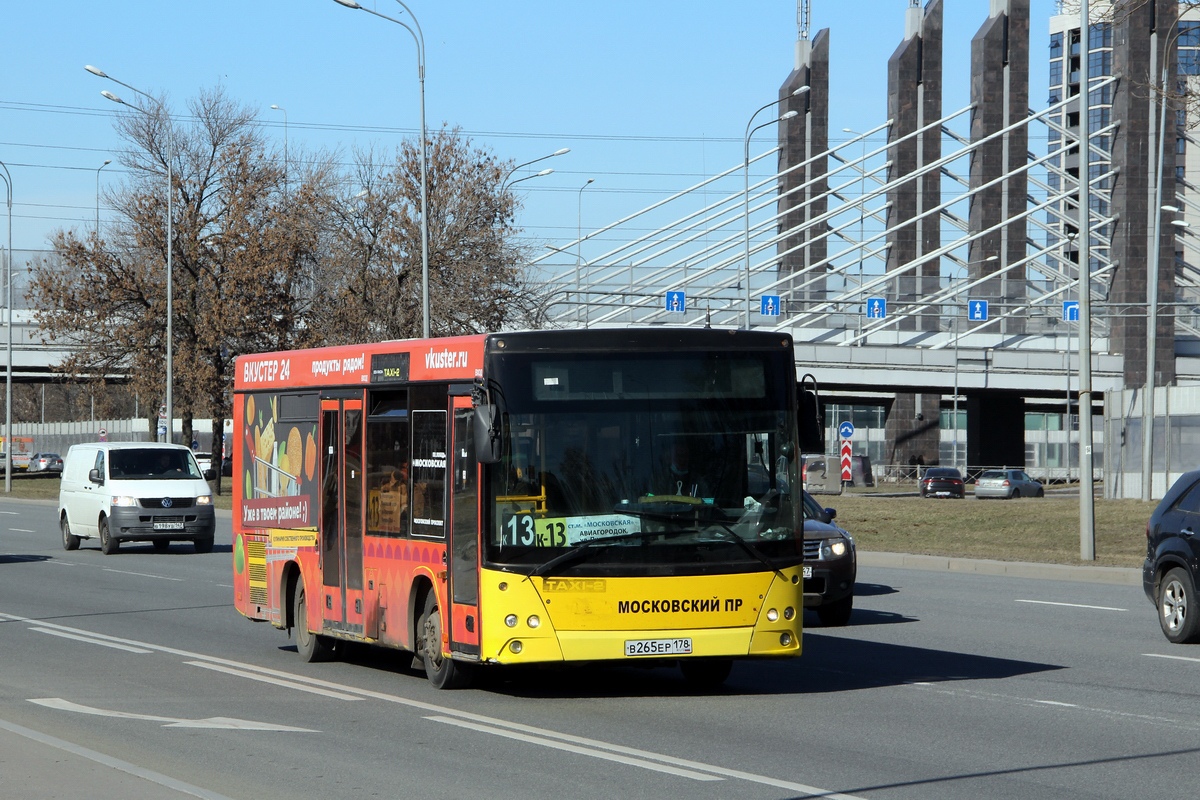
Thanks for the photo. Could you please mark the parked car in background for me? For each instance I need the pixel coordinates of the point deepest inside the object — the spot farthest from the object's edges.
(1170, 571)
(830, 565)
(1007, 484)
(46, 462)
(942, 482)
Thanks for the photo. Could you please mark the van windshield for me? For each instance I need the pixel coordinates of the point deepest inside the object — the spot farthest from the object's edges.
(152, 464)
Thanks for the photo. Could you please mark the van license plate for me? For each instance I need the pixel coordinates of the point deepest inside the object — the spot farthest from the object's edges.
(168, 526)
(658, 647)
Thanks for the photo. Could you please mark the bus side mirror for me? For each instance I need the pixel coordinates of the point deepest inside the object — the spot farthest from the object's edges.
(808, 417)
(487, 434)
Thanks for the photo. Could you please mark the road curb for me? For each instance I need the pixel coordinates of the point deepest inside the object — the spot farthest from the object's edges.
(1122, 576)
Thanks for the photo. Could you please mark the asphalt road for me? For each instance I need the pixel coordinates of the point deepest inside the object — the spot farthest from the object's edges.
(132, 676)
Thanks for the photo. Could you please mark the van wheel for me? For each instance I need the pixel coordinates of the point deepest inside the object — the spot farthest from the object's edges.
(108, 545)
(442, 672)
(161, 545)
(203, 545)
(1177, 611)
(70, 540)
(309, 645)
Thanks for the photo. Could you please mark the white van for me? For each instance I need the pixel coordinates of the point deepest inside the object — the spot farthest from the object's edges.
(134, 491)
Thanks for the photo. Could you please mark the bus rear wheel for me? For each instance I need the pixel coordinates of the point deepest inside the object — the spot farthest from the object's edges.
(309, 645)
(442, 672)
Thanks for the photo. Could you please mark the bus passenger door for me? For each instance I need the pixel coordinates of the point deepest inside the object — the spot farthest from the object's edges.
(341, 514)
(464, 530)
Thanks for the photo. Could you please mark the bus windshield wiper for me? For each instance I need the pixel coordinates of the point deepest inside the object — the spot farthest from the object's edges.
(580, 550)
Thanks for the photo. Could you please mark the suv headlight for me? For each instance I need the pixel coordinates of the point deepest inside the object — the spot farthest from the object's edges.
(834, 548)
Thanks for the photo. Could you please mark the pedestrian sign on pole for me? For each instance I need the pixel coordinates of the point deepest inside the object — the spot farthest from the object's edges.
(977, 310)
(876, 307)
(770, 305)
(1070, 311)
(676, 302)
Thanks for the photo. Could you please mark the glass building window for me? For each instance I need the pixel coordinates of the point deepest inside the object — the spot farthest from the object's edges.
(1056, 71)
(1100, 35)
(1056, 45)
(1189, 34)
(1188, 62)
(1100, 62)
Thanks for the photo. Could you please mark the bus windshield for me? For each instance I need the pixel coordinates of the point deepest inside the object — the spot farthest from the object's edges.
(645, 464)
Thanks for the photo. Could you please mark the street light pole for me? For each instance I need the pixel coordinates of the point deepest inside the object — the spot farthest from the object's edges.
(8, 346)
(862, 207)
(285, 147)
(746, 174)
(1152, 281)
(579, 252)
(419, 38)
(102, 166)
(168, 407)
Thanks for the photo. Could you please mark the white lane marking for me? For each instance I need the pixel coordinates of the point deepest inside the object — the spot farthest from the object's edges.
(142, 574)
(571, 748)
(1175, 658)
(91, 640)
(20, 530)
(273, 681)
(220, 723)
(113, 763)
(1072, 605)
(1177, 722)
(289, 677)
(14, 513)
(1056, 703)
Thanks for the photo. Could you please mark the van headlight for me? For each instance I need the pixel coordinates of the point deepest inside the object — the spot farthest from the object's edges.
(204, 500)
(124, 500)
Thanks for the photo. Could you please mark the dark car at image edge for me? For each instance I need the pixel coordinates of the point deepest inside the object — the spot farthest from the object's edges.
(1169, 573)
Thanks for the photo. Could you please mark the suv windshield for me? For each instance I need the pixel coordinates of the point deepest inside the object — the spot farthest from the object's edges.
(152, 463)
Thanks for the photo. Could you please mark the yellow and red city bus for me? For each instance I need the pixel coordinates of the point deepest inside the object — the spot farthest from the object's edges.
(516, 498)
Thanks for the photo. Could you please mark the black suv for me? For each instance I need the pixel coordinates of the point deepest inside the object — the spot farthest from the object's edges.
(1172, 565)
(830, 565)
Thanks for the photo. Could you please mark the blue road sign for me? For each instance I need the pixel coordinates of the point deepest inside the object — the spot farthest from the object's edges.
(770, 305)
(676, 302)
(977, 310)
(876, 307)
(846, 430)
(1070, 311)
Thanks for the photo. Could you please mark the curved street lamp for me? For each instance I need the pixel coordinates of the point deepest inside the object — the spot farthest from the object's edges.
(419, 38)
(579, 249)
(168, 404)
(107, 161)
(541, 174)
(746, 171)
(562, 151)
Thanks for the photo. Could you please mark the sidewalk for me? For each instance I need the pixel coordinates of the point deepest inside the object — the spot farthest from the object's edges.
(1123, 576)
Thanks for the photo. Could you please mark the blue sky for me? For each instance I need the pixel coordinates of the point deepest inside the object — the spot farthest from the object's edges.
(649, 96)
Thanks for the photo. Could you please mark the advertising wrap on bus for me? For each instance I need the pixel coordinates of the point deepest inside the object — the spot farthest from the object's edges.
(633, 500)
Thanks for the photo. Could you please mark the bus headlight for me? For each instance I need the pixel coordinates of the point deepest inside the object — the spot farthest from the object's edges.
(515, 646)
(511, 620)
(789, 612)
(533, 621)
(785, 639)
(772, 615)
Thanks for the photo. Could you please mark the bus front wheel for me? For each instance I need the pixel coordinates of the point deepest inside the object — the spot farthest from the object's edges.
(442, 672)
(309, 645)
